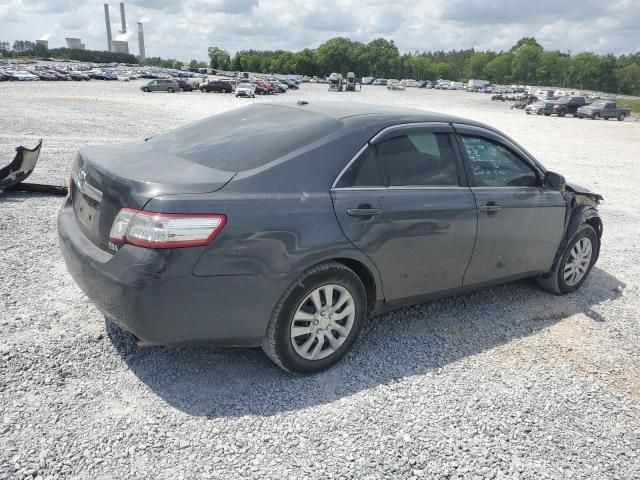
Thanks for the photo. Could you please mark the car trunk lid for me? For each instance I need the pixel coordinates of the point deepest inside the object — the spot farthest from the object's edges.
(108, 178)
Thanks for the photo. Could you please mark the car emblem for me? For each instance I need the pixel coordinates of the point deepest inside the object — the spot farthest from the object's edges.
(82, 179)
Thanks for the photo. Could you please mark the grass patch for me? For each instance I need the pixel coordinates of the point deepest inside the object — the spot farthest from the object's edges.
(634, 105)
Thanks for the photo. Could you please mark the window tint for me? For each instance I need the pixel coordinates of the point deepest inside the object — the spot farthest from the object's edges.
(364, 172)
(246, 138)
(418, 159)
(493, 165)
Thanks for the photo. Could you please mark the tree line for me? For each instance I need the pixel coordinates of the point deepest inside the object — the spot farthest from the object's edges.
(27, 48)
(527, 63)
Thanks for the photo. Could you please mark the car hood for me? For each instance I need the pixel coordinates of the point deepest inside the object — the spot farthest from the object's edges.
(575, 188)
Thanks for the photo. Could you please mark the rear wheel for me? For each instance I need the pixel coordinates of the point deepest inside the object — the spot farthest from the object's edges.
(621, 117)
(317, 319)
(170, 90)
(595, 116)
(575, 264)
(562, 113)
(223, 91)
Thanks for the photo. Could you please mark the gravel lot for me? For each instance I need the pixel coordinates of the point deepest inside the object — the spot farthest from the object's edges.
(508, 382)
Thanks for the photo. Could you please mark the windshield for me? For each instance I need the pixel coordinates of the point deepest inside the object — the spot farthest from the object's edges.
(245, 85)
(220, 141)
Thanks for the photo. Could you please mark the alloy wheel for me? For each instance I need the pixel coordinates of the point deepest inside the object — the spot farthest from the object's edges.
(322, 322)
(578, 261)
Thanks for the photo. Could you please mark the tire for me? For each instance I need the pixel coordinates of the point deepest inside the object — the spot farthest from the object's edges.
(146, 89)
(169, 90)
(540, 112)
(547, 114)
(555, 282)
(278, 343)
(621, 117)
(223, 91)
(562, 113)
(203, 90)
(595, 116)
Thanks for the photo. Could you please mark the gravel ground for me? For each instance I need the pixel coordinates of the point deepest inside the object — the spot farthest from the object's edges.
(508, 382)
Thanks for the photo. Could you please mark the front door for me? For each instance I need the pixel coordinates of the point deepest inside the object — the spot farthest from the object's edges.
(520, 223)
(404, 202)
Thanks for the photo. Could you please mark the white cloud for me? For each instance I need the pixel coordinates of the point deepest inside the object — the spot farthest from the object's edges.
(185, 28)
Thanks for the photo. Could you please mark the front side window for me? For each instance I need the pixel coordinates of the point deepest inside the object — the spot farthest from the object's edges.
(493, 165)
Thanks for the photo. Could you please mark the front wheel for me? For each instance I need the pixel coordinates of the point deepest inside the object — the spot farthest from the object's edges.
(146, 89)
(595, 116)
(317, 319)
(170, 90)
(223, 91)
(562, 113)
(575, 264)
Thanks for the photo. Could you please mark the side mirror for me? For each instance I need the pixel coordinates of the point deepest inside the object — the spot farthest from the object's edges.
(554, 181)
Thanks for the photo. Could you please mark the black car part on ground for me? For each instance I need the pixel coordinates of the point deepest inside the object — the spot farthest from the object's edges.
(12, 176)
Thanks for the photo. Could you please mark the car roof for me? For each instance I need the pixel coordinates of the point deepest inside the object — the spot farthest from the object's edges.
(342, 110)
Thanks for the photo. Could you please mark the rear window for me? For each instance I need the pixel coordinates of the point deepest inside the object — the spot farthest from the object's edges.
(246, 138)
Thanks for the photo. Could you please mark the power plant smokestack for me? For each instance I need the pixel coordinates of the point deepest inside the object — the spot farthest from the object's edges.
(141, 41)
(122, 19)
(108, 22)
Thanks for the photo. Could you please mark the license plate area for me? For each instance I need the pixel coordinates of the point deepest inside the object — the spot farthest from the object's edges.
(86, 210)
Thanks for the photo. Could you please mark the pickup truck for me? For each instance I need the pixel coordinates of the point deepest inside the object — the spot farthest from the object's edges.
(603, 109)
(565, 105)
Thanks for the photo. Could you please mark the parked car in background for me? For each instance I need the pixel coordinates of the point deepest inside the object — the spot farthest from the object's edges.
(246, 89)
(568, 105)
(211, 231)
(603, 109)
(161, 85)
(540, 107)
(222, 86)
(265, 88)
(184, 85)
(393, 84)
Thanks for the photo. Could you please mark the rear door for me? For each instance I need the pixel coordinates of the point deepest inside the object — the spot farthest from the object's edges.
(520, 223)
(404, 202)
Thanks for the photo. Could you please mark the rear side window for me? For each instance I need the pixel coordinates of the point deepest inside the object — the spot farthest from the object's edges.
(493, 165)
(418, 159)
(246, 138)
(364, 172)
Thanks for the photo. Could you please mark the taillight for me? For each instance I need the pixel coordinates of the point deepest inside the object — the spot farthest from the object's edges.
(165, 230)
(69, 184)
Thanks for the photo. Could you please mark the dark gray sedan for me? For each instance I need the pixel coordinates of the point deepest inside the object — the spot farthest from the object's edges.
(287, 225)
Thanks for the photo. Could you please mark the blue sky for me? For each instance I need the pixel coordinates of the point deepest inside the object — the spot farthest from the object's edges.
(184, 29)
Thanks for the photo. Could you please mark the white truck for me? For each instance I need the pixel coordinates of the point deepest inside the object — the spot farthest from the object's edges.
(477, 85)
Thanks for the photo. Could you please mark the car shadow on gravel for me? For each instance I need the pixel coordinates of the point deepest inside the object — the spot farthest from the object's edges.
(221, 382)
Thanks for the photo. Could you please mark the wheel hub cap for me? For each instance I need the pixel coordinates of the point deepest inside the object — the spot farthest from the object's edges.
(322, 322)
(578, 261)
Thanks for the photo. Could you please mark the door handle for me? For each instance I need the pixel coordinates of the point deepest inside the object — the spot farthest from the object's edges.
(363, 211)
(491, 207)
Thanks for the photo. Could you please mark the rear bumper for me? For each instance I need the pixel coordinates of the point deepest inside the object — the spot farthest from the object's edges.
(154, 295)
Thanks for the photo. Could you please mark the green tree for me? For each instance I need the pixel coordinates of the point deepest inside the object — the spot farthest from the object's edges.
(335, 55)
(476, 65)
(218, 58)
(499, 69)
(381, 54)
(629, 79)
(525, 62)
